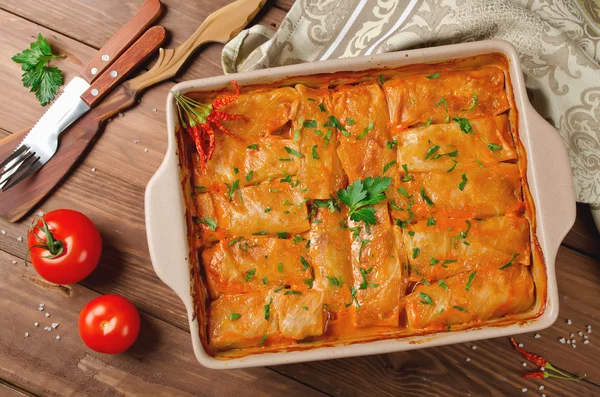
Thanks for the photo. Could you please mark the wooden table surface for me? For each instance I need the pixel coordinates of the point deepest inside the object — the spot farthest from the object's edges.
(162, 362)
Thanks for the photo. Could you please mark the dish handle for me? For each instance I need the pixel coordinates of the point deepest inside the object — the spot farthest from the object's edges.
(552, 179)
(166, 228)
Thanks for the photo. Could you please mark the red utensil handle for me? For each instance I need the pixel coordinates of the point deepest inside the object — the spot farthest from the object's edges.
(121, 40)
(125, 64)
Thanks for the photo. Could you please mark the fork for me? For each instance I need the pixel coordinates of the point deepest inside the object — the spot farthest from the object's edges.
(42, 141)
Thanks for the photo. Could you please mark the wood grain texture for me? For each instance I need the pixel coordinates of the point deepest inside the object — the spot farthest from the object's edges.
(584, 236)
(160, 363)
(113, 197)
(122, 39)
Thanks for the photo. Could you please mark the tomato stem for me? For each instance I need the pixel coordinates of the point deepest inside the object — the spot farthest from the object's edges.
(53, 245)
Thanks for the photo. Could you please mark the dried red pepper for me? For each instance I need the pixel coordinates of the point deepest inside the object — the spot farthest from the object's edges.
(542, 363)
(198, 120)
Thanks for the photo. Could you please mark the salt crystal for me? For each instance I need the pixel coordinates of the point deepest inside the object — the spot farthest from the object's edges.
(572, 335)
(14, 262)
(3, 231)
(135, 141)
(542, 369)
(569, 322)
(146, 150)
(569, 341)
(94, 169)
(40, 308)
(524, 390)
(47, 315)
(474, 347)
(36, 324)
(562, 340)
(537, 336)
(42, 304)
(40, 213)
(585, 336)
(543, 395)
(57, 337)
(524, 364)
(585, 342)
(573, 346)
(26, 334)
(55, 325)
(154, 110)
(468, 359)
(19, 239)
(542, 387)
(120, 114)
(520, 345)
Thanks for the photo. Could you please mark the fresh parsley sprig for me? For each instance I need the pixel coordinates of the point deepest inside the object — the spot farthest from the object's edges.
(362, 195)
(43, 80)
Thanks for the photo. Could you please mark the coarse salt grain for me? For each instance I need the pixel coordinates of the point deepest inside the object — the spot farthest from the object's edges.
(3, 231)
(520, 345)
(146, 150)
(569, 322)
(40, 213)
(154, 110)
(120, 114)
(47, 329)
(26, 334)
(47, 315)
(94, 169)
(19, 239)
(524, 364)
(542, 369)
(524, 390)
(543, 395)
(585, 342)
(474, 347)
(40, 308)
(468, 359)
(542, 387)
(537, 336)
(36, 324)
(573, 345)
(562, 340)
(580, 333)
(14, 262)
(55, 325)
(585, 336)
(569, 341)
(572, 335)
(57, 337)
(135, 141)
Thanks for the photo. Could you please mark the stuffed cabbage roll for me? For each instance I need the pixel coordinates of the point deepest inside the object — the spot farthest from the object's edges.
(477, 192)
(268, 112)
(489, 293)
(300, 314)
(440, 147)
(361, 116)
(453, 245)
(440, 97)
(237, 321)
(242, 265)
(265, 209)
(377, 264)
(321, 171)
(249, 161)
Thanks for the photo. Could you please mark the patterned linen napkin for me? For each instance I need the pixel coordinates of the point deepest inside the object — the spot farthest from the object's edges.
(558, 42)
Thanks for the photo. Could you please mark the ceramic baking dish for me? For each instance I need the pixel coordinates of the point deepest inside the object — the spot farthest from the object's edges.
(548, 174)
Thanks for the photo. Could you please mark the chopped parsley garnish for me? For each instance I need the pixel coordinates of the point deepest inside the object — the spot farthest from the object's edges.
(286, 159)
(309, 282)
(447, 261)
(390, 144)
(236, 170)
(304, 307)
(249, 176)
(363, 243)
(494, 148)
(231, 189)
(365, 131)
(449, 154)
(425, 299)
(234, 316)
(473, 103)
(318, 132)
(232, 242)
(411, 233)
(471, 277)
(480, 163)
(261, 233)
(462, 184)
(416, 252)
(262, 340)
(212, 225)
(349, 121)
(381, 79)
(297, 239)
(330, 204)
(292, 292)
(265, 281)
(426, 198)
(431, 221)
(278, 289)
(434, 76)
(406, 177)
(274, 190)
(305, 264)
(510, 263)
(296, 135)
(444, 102)
(353, 299)
(431, 151)
(322, 107)
(362, 195)
(292, 151)
(327, 137)
(388, 165)
(464, 124)
(315, 155)
(282, 235)
(200, 187)
(249, 274)
(453, 166)
(254, 146)
(404, 192)
(442, 284)
(310, 124)
(337, 125)
(268, 209)
(365, 284)
(268, 309)
(462, 309)
(336, 282)
(423, 281)
(280, 267)
(434, 261)
(428, 122)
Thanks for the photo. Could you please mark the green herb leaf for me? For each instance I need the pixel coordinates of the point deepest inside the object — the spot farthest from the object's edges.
(305, 264)
(431, 151)
(447, 261)
(434, 76)
(349, 121)
(337, 125)
(494, 148)
(297, 239)
(453, 166)
(391, 144)
(315, 155)
(428, 122)
(434, 261)
(423, 281)
(462, 309)
(335, 282)
(403, 192)
(249, 176)
(232, 242)
(426, 198)
(249, 274)
(388, 165)
(365, 131)
(461, 185)
(261, 233)
(231, 189)
(431, 221)
(425, 299)
(474, 102)
(365, 284)
(310, 124)
(444, 102)
(268, 209)
(416, 252)
(265, 281)
(406, 177)
(282, 235)
(254, 146)
(43, 80)
(322, 107)
(442, 284)
(381, 79)
(280, 267)
(268, 309)
(464, 124)
(292, 151)
(361, 195)
(309, 282)
(411, 233)
(510, 263)
(292, 292)
(234, 316)
(296, 135)
(262, 340)
(471, 277)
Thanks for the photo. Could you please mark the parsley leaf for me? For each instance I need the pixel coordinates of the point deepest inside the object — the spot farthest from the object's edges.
(365, 131)
(433, 76)
(336, 282)
(425, 299)
(494, 148)
(428, 122)
(365, 284)
(42, 79)
(431, 151)
(431, 221)
(510, 263)
(416, 252)
(406, 177)
(310, 124)
(322, 107)
(309, 282)
(212, 225)
(461, 185)
(305, 264)
(464, 124)
(361, 195)
(234, 316)
(249, 274)
(268, 309)
(315, 155)
(249, 176)
(474, 102)
(442, 284)
(453, 166)
(254, 146)
(381, 79)
(232, 188)
(426, 198)
(471, 277)
(460, 308)
(292, 151)
(337, 125)
(388, 165)
(390, 144)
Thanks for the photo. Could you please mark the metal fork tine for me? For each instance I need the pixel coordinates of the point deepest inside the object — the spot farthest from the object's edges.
(30, 166)
(22, 149)
(14, 167)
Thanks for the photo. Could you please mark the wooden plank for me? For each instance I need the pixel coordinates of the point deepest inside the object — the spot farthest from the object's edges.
(584, 236)
(495, 367)
(94, 22)
(8, 390)
(160, 363)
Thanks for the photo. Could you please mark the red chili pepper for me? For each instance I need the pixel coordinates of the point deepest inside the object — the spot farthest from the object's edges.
(535, 375)
(197, 136)
(220, 102)
(224, 130)
(210, 133)
(534, 358)
(220, 116)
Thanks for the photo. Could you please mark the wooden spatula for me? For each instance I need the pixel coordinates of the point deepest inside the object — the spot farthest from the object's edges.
(220, 26)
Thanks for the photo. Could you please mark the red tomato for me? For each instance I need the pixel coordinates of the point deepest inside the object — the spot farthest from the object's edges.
(109, 324)
(64, 246)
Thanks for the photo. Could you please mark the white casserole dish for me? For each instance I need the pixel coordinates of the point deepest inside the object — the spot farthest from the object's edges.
(548, 174)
